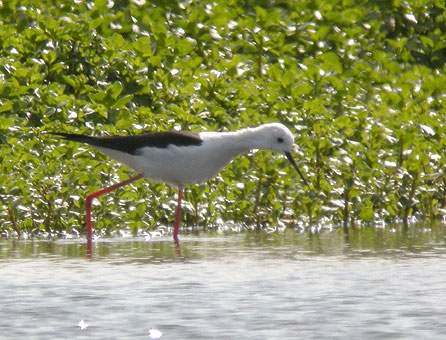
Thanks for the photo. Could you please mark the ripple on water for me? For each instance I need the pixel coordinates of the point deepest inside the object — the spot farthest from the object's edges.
(254, 285)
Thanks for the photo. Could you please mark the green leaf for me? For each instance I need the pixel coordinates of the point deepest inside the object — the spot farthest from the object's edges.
(143, 45)
(5, 107)
(185, 46)
(114, 90)
(331, 62)
(121, 102)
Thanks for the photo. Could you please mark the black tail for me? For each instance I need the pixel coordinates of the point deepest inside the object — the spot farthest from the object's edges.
(108, 142)
(131, 144)
(127, 144)
(76, 137)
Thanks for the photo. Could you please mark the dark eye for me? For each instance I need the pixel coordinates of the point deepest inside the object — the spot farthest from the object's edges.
(280, 139)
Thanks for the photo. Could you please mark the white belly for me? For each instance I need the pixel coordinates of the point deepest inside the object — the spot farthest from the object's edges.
(176, 165)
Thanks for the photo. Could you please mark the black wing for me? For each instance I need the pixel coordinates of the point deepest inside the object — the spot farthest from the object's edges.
(131, 144)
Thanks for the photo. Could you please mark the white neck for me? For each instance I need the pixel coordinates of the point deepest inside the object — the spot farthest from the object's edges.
(237, 142)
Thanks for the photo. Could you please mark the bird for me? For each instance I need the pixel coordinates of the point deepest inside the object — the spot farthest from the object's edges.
(182, 158)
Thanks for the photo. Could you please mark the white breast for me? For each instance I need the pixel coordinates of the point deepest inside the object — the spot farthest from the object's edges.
(179, 165)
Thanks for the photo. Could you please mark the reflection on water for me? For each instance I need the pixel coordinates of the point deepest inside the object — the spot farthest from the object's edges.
(358, 242)
(369, 284)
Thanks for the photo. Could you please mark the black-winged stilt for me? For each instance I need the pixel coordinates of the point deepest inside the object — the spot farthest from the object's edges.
(183, 158)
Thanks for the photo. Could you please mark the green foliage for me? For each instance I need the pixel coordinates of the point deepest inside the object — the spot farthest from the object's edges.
(360, 84)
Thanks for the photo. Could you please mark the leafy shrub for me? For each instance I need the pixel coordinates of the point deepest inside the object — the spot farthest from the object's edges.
(362, 87)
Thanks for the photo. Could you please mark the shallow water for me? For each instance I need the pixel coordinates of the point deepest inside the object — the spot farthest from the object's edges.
(372, 284)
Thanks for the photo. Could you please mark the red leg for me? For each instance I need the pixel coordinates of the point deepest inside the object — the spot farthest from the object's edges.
(176, 226)
(96, 194)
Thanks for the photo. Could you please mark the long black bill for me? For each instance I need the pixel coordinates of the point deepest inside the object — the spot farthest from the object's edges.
(293, 162)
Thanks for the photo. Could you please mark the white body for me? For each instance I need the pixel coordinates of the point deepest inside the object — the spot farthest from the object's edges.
(185, 165)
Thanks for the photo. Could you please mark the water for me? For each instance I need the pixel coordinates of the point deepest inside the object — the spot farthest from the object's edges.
(373, 284)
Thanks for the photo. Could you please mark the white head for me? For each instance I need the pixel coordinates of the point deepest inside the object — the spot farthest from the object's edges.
(277, 137)
(274, 137)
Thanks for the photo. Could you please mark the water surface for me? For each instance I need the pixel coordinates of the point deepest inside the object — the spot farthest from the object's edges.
(372, 284)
